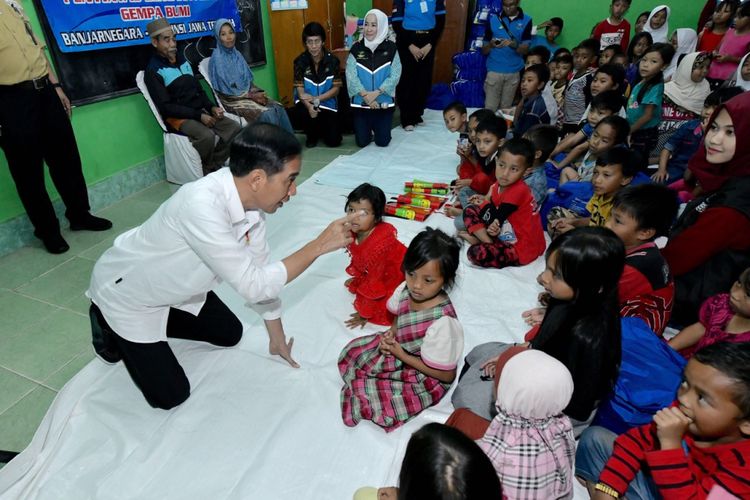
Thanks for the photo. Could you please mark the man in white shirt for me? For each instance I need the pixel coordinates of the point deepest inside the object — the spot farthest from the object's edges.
(156, 279)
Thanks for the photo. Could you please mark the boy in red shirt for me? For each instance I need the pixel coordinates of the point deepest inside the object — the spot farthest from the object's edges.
(698, 443)
(503, 227)
(615, 29)
(640, 214)
(476, 178)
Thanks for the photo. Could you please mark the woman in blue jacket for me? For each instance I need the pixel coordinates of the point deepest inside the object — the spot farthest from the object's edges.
(372, 72)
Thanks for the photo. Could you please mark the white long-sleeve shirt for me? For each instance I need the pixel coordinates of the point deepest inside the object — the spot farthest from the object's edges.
(199, 237)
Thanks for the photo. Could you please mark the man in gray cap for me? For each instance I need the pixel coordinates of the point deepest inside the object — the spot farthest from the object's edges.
(182, 102)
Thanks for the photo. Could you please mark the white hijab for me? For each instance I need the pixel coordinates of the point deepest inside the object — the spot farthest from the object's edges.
(534, 385)
(739, 81)
(687, 40)
(659, 35)
(683, 91)
(382, 20)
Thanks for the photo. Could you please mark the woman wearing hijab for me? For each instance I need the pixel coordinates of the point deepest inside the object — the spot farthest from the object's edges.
(741, 77)
(684, 96)
(232, 80)
(418, 26)
(689, 88)
(317, 81)
(530, 441)
(709, 246)
(684, 41)
(372, 72)
(658, 23)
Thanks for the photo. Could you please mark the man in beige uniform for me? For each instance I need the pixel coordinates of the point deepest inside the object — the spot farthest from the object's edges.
(35, 128)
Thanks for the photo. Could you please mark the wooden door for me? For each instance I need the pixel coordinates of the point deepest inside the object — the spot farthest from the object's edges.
(384, 5)
(452, 41)
(286, 36)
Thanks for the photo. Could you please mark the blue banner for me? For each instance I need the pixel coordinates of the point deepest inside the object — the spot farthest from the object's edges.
(80, 25)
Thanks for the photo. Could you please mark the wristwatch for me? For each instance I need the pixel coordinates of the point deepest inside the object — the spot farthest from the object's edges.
(607, 489)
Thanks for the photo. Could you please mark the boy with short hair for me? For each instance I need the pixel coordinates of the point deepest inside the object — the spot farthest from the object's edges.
(615, 29)
(621, 60)
(613, 171)
(552, 29)
(536, 55)
(698, 444)
(476, 179)
(531, 109)
(544, 138)
(577, 92)
(639, 215)
(563, 67)
(470, 160)
(603, 104)
(608, 53)
(454, 116)
(468, 152)
(609, 133)
(503, 227)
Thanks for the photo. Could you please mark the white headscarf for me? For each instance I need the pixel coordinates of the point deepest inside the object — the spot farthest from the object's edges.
(659, 35)
(687, 40)
(739, 81)
(683, 91)
(382, 29)
(534, 385)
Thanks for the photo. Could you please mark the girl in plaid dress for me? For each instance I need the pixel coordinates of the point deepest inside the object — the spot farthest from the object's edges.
(390, 377)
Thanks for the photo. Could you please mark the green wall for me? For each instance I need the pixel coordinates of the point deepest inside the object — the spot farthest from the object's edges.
(359, 7)
(581, 16)
(119, 133)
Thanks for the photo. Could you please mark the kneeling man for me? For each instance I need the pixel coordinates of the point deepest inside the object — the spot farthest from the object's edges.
(155, 281)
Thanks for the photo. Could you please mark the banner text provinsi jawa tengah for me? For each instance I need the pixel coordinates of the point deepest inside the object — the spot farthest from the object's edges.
(80, 25)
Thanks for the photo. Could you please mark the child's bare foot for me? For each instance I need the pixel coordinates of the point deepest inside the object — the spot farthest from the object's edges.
(534, 316)
(454, 211)
(465, 235)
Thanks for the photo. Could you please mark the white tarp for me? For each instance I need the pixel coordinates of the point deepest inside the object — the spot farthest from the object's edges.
(254, 428)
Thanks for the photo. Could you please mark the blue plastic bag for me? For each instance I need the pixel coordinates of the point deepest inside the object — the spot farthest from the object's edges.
(650, 374)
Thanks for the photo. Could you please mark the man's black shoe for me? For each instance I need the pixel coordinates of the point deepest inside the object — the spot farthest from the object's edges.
(54, 243)
(311, 143)
(90, 223)
(105, 345)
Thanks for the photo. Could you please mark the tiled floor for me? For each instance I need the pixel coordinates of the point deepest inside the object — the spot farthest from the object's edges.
(45, 332)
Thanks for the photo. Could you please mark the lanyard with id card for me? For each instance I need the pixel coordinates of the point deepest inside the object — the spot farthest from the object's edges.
(422, 6)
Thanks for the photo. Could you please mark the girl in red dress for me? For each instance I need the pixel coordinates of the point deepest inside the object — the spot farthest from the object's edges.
(376, 253)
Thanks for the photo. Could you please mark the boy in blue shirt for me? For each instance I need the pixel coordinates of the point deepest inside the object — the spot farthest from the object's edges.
(531, 110)
(553, 28)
